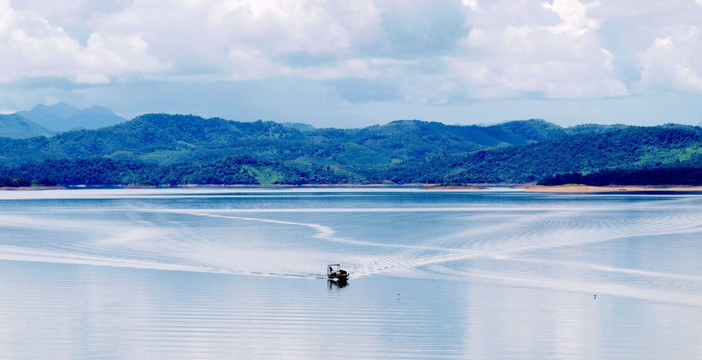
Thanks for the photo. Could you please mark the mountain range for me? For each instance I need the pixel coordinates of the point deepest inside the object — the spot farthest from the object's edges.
(43, 120)
(162, 149)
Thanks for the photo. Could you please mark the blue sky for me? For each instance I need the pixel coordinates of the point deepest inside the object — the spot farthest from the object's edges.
(360, 62)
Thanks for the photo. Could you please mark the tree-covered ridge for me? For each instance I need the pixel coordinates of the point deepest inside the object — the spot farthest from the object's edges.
(652, 176)
(242, 170)
(627, 148)
(168, 139)
(167, 150)
(17, 127)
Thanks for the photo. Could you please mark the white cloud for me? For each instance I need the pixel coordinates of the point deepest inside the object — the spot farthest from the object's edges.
(513, 47)
(673, 61)
(35, 48)
(227, 33)
(473, 5)
(559, 57)
(432, 51)
(283, 26)
(574, 18)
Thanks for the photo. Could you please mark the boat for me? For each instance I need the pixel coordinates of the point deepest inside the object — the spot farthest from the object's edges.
(336, 273)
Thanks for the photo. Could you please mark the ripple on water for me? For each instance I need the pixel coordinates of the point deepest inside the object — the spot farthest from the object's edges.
(444, 275)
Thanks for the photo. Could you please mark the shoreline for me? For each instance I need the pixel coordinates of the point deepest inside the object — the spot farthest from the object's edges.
(609, 188)
(574, 188)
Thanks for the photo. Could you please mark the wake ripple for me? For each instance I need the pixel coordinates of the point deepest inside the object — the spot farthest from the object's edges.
(479, 239)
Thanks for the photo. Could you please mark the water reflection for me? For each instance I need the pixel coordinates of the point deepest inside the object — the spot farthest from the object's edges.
(338, 284)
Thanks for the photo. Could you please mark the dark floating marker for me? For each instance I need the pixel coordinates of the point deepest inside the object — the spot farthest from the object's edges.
(595, 296)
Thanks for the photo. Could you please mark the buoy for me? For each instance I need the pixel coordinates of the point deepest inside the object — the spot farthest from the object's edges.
(595, 296)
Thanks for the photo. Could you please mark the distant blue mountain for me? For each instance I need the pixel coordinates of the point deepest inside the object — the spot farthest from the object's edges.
(63, 117)
(17, 127)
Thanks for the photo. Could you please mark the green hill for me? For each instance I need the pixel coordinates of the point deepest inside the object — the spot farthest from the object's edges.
(166, 149)
(168, 139)
(16, 127)
(624, 148)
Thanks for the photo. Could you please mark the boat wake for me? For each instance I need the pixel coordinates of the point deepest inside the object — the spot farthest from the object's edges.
(499, 244)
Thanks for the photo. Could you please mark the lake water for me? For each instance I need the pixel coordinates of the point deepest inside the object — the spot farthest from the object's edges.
(240, 273)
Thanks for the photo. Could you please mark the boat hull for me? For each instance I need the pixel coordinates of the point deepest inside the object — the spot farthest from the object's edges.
(338, 275)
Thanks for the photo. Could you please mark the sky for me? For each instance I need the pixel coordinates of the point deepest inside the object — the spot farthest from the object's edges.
(361, 62)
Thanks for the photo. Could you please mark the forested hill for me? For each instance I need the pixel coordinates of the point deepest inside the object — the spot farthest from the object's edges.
(622, 149)
(162, 149)
(17, 127)
(168, 139)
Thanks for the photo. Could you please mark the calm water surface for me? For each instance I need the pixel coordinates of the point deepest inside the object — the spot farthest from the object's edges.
(239, 273)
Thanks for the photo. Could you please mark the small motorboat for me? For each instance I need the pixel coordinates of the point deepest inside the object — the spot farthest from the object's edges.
(336, 273)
